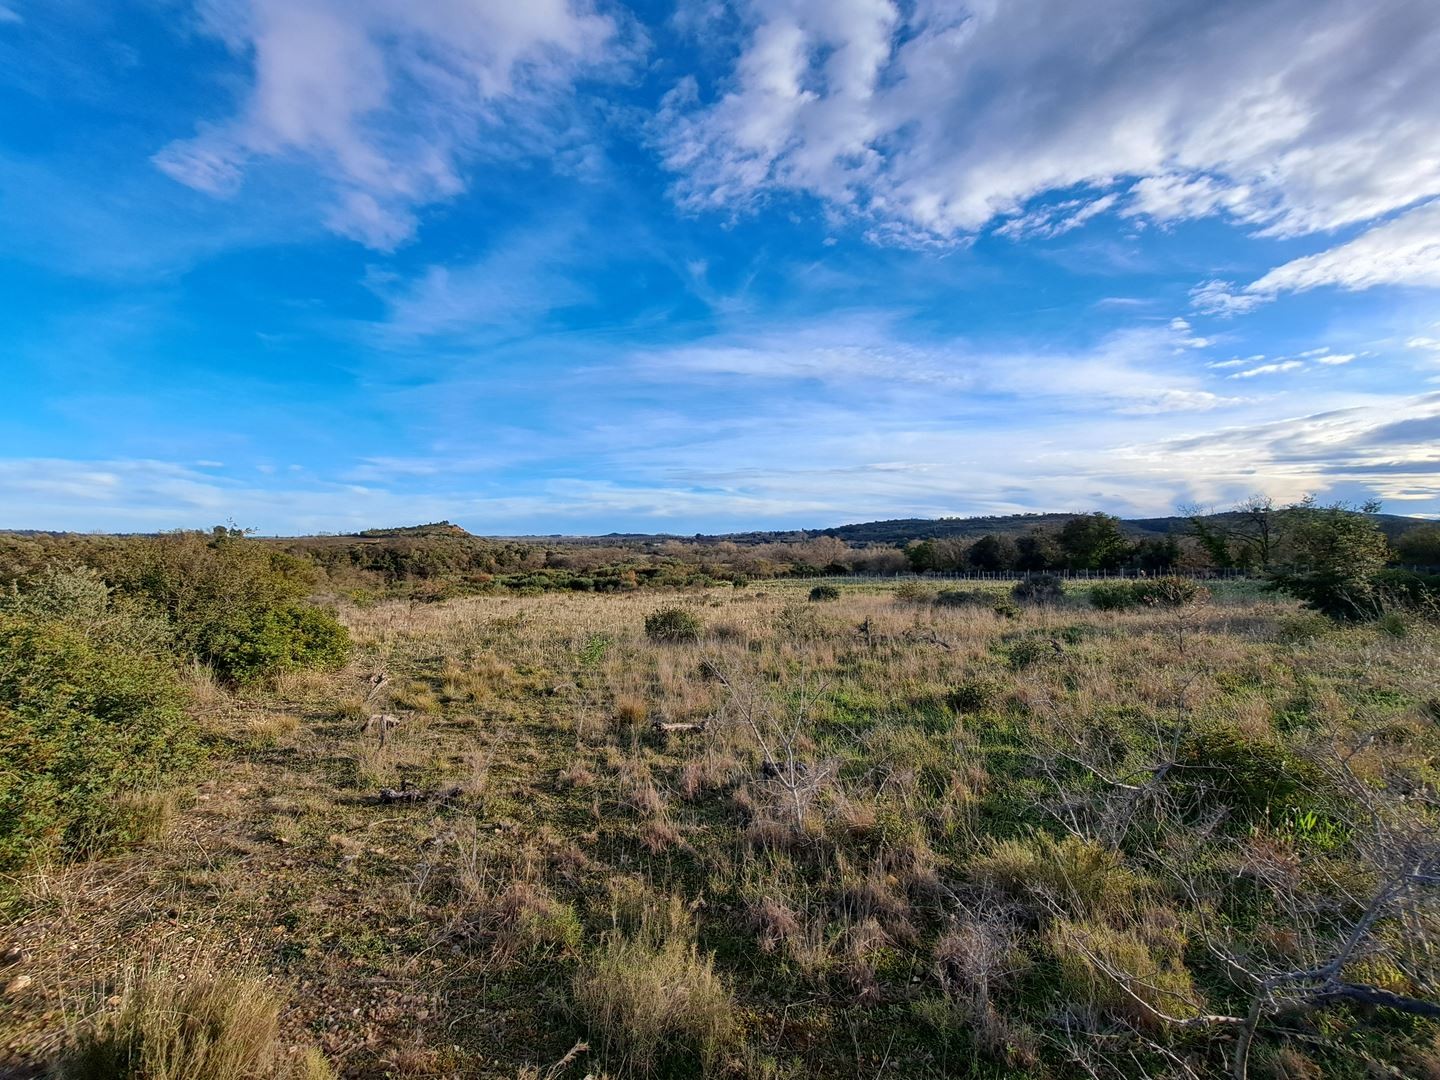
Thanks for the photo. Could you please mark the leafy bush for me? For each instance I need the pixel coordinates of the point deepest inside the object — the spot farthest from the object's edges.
(1420, 545)
(232, 602)
(263, 641)
(1335, 557)
(1169, 592)
(188, 1026)
(964, 598)
(1152, 592)
(1409, 589)
(1113, 596)
(913, 592)
(1302, 627)
(1256, 778)
(673, 625)
(91, 722)
(1039, 589)
(972, 695)
(824, 592)
(1027, 651)
(1005, 608)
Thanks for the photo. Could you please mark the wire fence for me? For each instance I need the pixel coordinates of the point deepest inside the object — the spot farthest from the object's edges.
(1122, 574)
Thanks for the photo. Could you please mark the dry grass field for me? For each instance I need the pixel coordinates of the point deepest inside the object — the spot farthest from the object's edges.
(864, 837)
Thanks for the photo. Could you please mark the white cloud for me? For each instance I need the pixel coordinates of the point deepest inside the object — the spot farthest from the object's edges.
(515, 283)
(1402, 251)
(386, 97)
(1057, 220)
(1334, 359)
(1221, 298)
(1269, 369)
(9, 15)
(811, 463)
(1132, 372)
(1387, 446)
(932, 119)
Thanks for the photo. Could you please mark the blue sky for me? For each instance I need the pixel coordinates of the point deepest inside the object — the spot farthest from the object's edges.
(580, 267)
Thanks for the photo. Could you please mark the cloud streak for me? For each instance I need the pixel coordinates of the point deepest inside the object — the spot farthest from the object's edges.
(1403, 251)
(386, 98)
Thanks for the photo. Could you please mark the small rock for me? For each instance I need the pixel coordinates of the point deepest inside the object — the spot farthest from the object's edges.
(18, 985)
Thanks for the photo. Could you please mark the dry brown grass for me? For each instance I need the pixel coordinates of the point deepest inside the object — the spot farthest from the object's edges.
(653, 995)
(190, 1022)
(932, 883)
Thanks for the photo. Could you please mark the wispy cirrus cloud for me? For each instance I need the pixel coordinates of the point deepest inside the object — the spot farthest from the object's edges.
(387, 98)
(1403, 251)
(1278, 368)
(1144, 370)
(806, 464)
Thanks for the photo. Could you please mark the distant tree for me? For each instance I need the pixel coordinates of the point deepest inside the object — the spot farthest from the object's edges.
(1161, 554)
(1038, 550)
(1333, 554)
(993, 552)
(1094, 542)
(922, 555)
(950, 553)
(1247, 536)
(1420, 545)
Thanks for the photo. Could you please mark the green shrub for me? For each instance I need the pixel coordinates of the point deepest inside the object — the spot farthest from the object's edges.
(1335, 555)
(673, 625)
(1257, 778)
(1409, 589)
(1081, 875)
(913, 592)
(89, 727)
(231, 602)
(824, 592)
(964, 598)
(1027, 651)
(1152, 592)
(1113, 596)
(1106, 968)
(972, 695)
(1303, 627)
(252, 644)
(1169, 591)
(1039, 589)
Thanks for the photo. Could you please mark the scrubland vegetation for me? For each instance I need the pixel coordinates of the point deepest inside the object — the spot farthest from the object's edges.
(261, 819)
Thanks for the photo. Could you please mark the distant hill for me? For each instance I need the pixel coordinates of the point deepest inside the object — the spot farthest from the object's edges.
(434, 528)
(892, 532)
(900, 531)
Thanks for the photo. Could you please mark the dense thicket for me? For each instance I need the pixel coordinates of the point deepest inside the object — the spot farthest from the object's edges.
(92, 719)
(95, 636)
(232, 603)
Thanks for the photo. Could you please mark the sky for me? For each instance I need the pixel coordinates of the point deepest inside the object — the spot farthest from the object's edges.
(573, 267)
